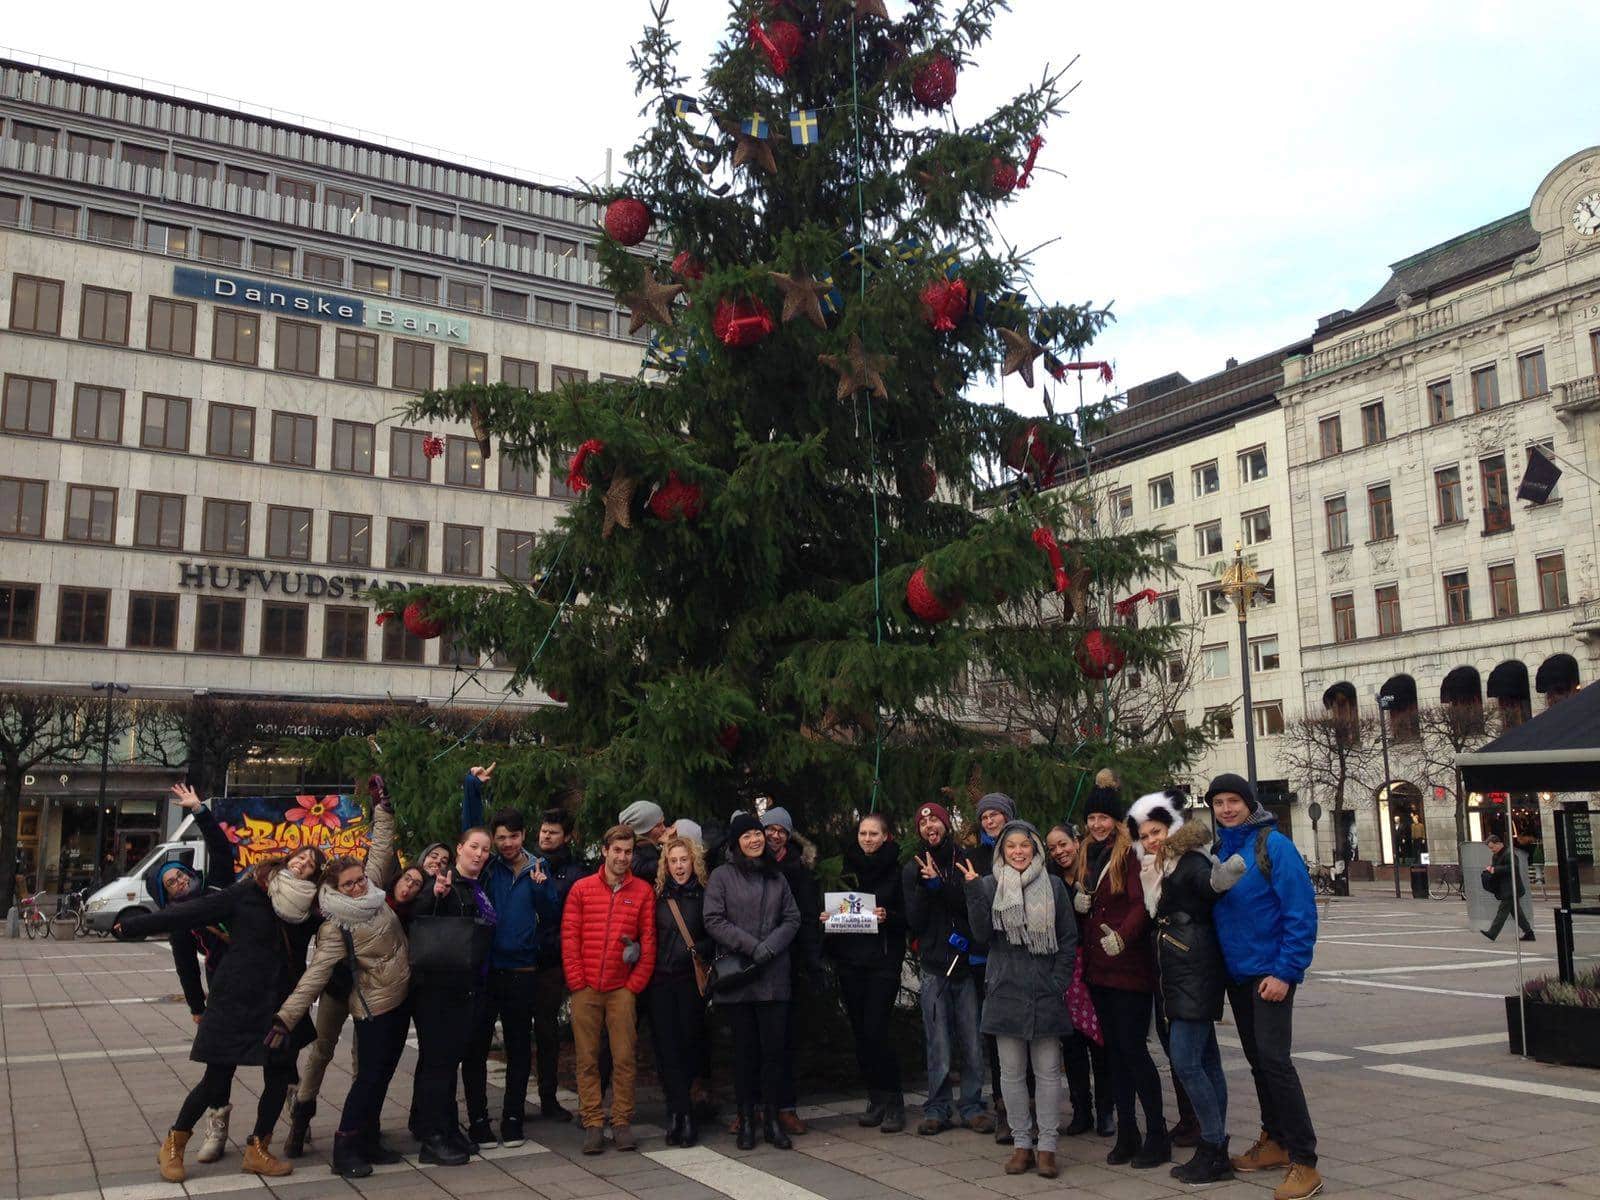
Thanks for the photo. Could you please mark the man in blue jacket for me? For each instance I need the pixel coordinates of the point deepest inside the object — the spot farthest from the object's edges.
(1267, 925)
(565, 869)
(523, 896)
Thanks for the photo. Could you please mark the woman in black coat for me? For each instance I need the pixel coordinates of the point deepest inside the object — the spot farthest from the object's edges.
(677, 1010)
(869, 967)
(271, 917)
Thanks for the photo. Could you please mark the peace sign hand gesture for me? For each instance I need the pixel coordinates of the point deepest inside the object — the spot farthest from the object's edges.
(967, 873)
(925, 862)
(441, 884)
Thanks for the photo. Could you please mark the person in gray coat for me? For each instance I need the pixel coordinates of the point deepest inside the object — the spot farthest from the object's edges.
(1024, 915)
(751, 914)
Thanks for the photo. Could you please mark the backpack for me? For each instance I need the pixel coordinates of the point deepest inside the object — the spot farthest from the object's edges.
(1263, 858)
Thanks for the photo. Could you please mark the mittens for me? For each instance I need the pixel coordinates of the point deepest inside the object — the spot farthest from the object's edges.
(631, 950)
(1227, 873)
(1110, 942)
(1081, 902)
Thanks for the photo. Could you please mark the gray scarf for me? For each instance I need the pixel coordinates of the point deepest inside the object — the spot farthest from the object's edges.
(291, 896)
(351, 912)
(1024, 904)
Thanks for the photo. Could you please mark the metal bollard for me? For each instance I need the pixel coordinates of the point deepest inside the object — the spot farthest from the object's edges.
(14, 923)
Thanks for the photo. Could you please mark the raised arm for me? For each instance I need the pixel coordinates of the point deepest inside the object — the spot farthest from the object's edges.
(380, 852)
(191, 914)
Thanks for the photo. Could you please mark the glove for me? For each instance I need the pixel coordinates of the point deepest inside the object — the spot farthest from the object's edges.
(763, 955)
(1227, 873)
(631, 950)
(277, 1035)
(1110, 942)
(1081, 902)
(379, 793)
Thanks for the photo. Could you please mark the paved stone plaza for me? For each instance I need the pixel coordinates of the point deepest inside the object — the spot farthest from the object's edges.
(1399, 1033)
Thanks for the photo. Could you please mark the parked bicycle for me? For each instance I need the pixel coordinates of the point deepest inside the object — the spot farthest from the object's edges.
(70, 919)
(1448, 885)
(34, 922)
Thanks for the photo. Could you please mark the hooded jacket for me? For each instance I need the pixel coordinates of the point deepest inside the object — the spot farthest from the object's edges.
(884, 952)
(1266, 927)
(198, 950)
(1188, 956)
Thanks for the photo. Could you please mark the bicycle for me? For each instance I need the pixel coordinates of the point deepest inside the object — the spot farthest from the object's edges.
(70, 914)
(1448, 884)
(34, 922)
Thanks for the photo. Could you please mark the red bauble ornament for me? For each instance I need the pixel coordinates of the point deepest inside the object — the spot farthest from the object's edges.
(923, 603)
(577, 481)
(944, 304)
(741, 322)
(556, 694)
(676, 501)
(1003, 177)
(788, 38)
(934, 84)
(419, 624)
(432, 446)
(1098, 656)
(728, 739)
(627, 220)
(687, 266)
(1027, 452)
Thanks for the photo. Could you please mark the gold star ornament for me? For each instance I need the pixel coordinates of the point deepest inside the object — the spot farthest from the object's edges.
(1021, 350)
(857, 369)
(749, 150)
(480, 430)
(651, 302)
(802, 297)
(619, 503)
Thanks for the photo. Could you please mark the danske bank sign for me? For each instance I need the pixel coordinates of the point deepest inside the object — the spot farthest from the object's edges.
(322, 306)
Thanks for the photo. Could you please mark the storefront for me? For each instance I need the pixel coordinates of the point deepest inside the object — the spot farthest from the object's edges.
(1488, 812)
(1402, 825)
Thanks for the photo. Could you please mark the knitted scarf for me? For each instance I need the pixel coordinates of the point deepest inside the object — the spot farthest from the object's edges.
(350, 912)
(1024, 904)
(291, 896)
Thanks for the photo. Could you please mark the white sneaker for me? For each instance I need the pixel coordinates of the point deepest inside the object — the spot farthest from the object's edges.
(214, 1129)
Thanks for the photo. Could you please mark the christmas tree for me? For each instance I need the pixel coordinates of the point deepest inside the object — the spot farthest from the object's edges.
(799, 540)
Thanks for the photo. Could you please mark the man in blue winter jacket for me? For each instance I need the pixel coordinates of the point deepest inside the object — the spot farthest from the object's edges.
(519, 887)
(1267, 925)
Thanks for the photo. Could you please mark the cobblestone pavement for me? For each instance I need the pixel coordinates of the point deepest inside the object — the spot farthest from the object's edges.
(1400, 1036)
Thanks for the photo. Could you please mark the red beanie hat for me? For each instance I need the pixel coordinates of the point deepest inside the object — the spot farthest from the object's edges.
(937, 811)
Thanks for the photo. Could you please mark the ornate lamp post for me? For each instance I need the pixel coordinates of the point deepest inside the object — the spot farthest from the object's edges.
(1242, 582)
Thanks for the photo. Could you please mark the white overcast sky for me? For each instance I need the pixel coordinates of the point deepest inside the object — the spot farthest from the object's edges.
(1232, 170)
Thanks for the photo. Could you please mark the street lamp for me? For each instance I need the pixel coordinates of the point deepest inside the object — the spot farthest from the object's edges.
(111, 690)
(1242, 582)
(1384, 702)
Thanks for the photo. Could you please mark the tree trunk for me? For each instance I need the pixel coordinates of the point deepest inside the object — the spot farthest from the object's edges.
(1340, 851)
(10, 814)
(1461, 815)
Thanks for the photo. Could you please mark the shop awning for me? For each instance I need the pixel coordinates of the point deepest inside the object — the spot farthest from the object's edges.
(1556, 751)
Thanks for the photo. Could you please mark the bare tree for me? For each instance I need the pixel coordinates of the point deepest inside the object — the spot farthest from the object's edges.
(1445, 731)
(39, 728)
(1337, 754)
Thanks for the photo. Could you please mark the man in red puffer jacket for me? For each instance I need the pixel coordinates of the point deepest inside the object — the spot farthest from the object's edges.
(608, 950)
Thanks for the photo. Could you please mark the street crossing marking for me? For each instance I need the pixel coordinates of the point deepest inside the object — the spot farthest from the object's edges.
(23, 1060)
(1414, 987)
(1471, 966)
(1524, 1086)
(1446, 1043)
(730, 1176)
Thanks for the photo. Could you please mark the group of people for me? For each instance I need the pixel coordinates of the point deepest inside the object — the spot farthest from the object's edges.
(1035, 957)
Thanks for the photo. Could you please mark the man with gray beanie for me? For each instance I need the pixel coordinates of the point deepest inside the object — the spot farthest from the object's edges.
(649, 823)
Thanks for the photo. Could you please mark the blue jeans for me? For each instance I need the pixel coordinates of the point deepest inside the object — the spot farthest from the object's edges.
(1198, 1064)
(950, 1025)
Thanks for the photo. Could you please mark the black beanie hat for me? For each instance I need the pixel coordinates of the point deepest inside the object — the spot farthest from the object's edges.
(1230, 782)
(742, 824)
(1107, 800)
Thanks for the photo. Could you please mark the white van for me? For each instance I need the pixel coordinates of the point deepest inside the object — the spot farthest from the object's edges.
(128, 896)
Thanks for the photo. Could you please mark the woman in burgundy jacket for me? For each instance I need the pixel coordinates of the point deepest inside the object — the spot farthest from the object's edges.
(1119, 967)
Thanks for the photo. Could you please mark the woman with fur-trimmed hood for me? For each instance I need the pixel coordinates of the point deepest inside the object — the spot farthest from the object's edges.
(1181, 884)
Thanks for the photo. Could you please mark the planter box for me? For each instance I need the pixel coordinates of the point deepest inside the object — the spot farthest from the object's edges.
(1557, 1033)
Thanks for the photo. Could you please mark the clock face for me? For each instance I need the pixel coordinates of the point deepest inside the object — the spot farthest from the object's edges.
(1586, 215)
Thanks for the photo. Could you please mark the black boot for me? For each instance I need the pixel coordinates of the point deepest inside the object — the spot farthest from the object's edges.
(747, 1129)
(1157, 1148)
(772, 1132)
(690, 1133)
(894, 1115)
(1106, 1123)
(1127, 1145)
(376, 1152)
(873, 1117)
(674, 1129)
(1082, 1121)
(441, 1150)
(1210, 1164)
(300, 1114)
(348, 1160)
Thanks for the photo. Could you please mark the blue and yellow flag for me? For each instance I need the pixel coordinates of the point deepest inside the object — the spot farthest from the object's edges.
(907, 249)
(683, 107)
(755, 125)
(832, 301)
(803, 127)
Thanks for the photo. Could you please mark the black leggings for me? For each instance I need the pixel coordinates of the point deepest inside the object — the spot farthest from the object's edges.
(1088, 1083)
(761, 1066)
(678, 1021)
(1125, 1022)
(216, 1085)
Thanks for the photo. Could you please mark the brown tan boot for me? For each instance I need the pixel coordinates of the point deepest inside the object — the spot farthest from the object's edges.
(1300, 1183)
(1262, 1156)
(1047, 1164)
(170, 1157)
(1020, 1161)
(258, 1159)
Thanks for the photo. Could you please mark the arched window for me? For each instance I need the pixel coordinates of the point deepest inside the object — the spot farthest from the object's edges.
(1508, 685)
(1461, 697)
(1557, 678)
(1401, 693)
(1344, 711)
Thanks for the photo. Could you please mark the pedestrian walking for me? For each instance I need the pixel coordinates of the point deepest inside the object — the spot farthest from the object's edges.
(676, 996)
(1024, 916)
(1083, 1054)
(1502, 874)
(797, 859)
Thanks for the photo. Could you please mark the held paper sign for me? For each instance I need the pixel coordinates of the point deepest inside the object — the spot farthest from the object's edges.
(851, 912)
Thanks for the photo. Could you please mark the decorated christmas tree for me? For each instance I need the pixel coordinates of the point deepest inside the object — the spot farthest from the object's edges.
(801, 536)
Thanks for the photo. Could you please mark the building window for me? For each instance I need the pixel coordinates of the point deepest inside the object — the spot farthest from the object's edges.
(514, 554)
(1503, 589)
(355, 358)
(437, 223)
(103, 316)
(283, 630)
(89, 145)
(171, 328)
(463, 550)
(1496, 494)
(392, 209)
(521, 373)
(1457, 598)
(520, 239)
(1257, 526)
(400, 644)
(10, 209)
(1447, 492)
(28, 134)
(1161, 492)
(406, 459)
(593, 320)
(408, 545)
(1264, 654)
(166, 423)
(225, 527)
(1441, 402)
(243, 177)
(235, 337)
(166, 239)
(416, 286)
(1594, 350)
(55, 218)
(1206, 479)
(552, 312)
(298, 347)
(1380, 513)
(1213, 601)
(289, 533)
(115, 229)
(1552, 570)
(1485, 388)
(1336, 517)
(22, 507)
(352, 447)
(1167, 610)
(82, 615)
(231, 432)
(1253, 465)
(561, 376)
(19, 610)
(1122, 504)
(219, 248)
(297, 189)
(219, 626)
(466, 295)
(513, 306)
(1208, 539)
(468, 366)
(344, 201)
(369, 277)
(1373, 427)
(518, 475)
(1548, 449)
(97, 414)
(277, 260)
(1530, 374)
(1344, 618)
(476, 231)
(152, 621)
(413, 365)
(158, 521)
(1329, 436)
(1214, 662)
(557, 247)
(294, 439)
(1166, 547)
(29, 406)
(35, 304)
(1387, 599)
(350, 539)
(91, 514)
(323, 268)
(1220, 722)
(463, 462)
(344, 633)
(1269, 718)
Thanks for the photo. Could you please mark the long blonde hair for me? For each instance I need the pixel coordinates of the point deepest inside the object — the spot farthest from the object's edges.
(697, 857)
(1116, 870)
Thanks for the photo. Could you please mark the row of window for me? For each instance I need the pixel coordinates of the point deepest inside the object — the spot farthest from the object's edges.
(1205, 478)
(83, 618)
(1267, 716)
(1551, 570)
